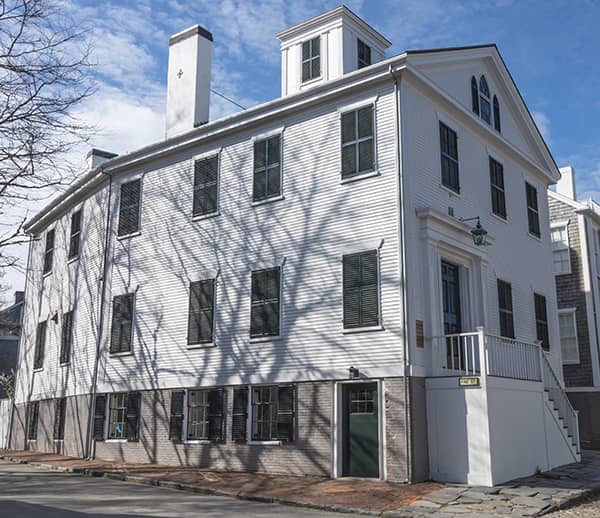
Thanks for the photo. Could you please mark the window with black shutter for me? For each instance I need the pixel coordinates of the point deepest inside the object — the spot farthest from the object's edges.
(497, 188)
(541, 321)
(201, 312)
(99, 416)
(505, 308)
(122, 323)
(129, 208)
(496, 107)
(59, 419)
(265, 302)
(311, 59)
(533, 216)
(66, 337)
(75, 239)
(205, 414)
(176, 420)
(273, 413)
(206, 185)
(40, 345)
(474, 95)
(49, 252)
(267, 168)
(358, 143)
(449, 153)
(33, 410)
(361, 290)
(132, 425)
(239, 418)
(364, 54)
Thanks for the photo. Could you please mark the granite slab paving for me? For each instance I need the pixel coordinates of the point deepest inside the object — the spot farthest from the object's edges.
(530, 496)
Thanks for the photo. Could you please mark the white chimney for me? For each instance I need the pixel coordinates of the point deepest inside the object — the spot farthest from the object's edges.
(566, 184)
(188, 82)
(96, 156)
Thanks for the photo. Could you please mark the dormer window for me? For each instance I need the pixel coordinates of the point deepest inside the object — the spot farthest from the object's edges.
(364, 54)
(311, 59)
(484, 100)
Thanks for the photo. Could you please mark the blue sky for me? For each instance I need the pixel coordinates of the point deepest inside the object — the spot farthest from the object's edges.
(550, 48)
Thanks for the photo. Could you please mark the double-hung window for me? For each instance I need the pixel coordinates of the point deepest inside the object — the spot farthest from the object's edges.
(205, 415)
(124, 415)
(273, 409)
(311, 59)
(265, 302)
(122, 323)
(533, 215)
(60, 410)
(201, 312)
(129, 208)
(541, 320)
(505, 309)
(49, 252)
(358, 142)
(561, 254)
(66, 338)
(40, 345)
(449, 152)
(497, 188)
(33, 411)
(361, 290)
(206, 176)
(75, 239)
(567, 324)
(267, 168)
(364, 54)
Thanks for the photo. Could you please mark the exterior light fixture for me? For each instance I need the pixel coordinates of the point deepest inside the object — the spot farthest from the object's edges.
(55, 317)
(354, 373)
(478, 233)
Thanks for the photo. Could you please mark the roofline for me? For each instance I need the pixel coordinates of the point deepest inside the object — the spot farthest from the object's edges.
(332, 13)
(450, 49)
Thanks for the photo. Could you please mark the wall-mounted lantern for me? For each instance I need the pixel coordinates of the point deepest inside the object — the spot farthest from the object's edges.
(478, 233)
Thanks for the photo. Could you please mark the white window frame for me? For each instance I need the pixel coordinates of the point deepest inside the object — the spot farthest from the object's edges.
(566, 246)
(573, 313)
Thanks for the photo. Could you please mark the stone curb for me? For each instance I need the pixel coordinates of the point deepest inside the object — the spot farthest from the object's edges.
(91, 472)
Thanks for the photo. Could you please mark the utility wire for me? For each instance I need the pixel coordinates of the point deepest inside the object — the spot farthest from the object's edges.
(228, 99)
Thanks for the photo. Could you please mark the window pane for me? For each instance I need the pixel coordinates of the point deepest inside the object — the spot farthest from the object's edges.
(316, 68)
(316, 46)
(365, 122)
(365, 156)
(305, 50)
(273, 182)
(348, 160)
(273, 150)
(348, 127)
(259, 154)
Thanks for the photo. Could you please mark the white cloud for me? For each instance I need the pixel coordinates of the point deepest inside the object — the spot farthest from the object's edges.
(543, 123)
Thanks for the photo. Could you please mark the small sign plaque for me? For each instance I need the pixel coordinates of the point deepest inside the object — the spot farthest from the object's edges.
(468, 381)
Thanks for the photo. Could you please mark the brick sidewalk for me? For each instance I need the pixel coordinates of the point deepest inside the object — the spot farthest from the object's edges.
(373, 496)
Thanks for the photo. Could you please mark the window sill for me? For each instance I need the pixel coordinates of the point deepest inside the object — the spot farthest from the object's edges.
(59, 440)
(126, 353)
(198, 441)
(499, 218)
(65, 364)
(127, 236)
(268, 200)
(265, 443)
(537, 238)
(578, 362)
(259, 339)
(47, 274)
(450, 191)
(558, 274)
(191, 347)
(39, 369)
(312, 81)
(73, 259)
(362, 329)
(361, 176)
(117, 441)
(202, 217)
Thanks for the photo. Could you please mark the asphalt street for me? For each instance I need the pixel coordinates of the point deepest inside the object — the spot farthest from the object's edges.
(32, 492)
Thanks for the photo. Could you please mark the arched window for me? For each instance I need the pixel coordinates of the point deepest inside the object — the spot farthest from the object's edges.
(496, 114)
(474, 95)
(484, 100)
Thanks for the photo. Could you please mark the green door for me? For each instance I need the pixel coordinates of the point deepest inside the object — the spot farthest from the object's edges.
(360, 430)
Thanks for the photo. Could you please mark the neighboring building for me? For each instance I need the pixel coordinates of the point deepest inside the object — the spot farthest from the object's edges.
(10, 328)
(292, 288)
(576, 249)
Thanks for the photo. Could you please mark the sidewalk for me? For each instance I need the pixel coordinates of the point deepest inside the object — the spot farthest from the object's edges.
(531, 496)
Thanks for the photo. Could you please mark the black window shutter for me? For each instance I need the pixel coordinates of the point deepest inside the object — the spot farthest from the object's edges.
(474, 95)
(240, 414)
(286, 412)
(99, 417)
(215, 415)
(133, 416)
(66, 337)
(351, 281)
(40, 346)
(59, 418)
(361, 290)
(176, 421)
(129, 208)
(201, 308)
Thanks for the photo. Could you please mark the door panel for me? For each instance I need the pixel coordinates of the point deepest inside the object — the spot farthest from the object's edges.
(452, 317)
(360, 432)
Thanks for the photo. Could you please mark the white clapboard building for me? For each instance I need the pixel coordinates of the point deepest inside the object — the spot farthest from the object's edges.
(354, 279)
